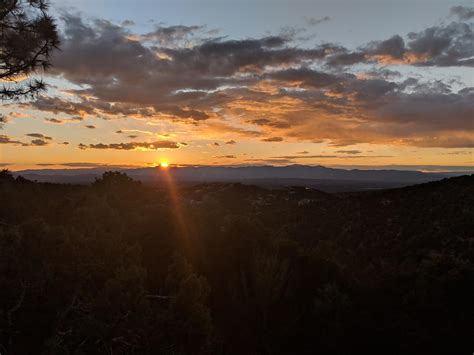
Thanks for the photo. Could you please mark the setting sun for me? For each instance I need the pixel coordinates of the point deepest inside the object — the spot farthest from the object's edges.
(164, 165)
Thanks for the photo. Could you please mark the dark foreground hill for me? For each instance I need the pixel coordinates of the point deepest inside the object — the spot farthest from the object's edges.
(122, 268)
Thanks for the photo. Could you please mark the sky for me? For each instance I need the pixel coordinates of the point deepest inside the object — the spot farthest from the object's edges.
(335, 83)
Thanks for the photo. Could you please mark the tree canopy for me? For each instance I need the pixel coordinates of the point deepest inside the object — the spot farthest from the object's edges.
(106, 268)
(28, 36)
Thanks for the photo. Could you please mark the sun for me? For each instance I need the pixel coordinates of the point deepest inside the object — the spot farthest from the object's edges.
(164, 165)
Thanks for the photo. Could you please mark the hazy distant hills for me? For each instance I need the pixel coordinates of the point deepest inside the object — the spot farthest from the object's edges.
(330, 179)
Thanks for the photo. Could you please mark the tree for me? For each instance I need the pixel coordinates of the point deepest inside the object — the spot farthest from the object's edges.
(28, 35)
(115, 180)
(6, 176)
(191, 323)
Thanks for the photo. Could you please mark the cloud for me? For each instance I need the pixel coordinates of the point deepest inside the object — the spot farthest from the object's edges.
(460, 152)
(353, 151)
(225, 156)
(443, 46)
(90, 126)
(7, 140)
(3, 120)
(133, 145)
(42, 141)
(354, 110)
(270, 160)
(147, 80)
(268, 86)
(329, 156)
(463, 12)
(393, 47)
(126, 23)
(58, 105)
(54, 120)
(306, 77)
(291, 157)
(18, 115)
(312, 21)
(273, 139)
(231, 142)
(38, 135)
(39, 142)
(170, 35)
(86, 165)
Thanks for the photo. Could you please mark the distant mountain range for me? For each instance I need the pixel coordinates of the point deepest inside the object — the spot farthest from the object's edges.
(293, 175)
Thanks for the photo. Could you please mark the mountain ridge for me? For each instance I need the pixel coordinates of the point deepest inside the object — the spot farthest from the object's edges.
(321, 177)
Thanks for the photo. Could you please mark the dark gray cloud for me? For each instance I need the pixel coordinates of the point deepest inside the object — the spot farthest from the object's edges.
(39, 135)
(307, 77)
(170, 35)
(35, 142)
(225, 156)
(126, 23)
(312, 21)
(58, 105)
(270, 160)
(90, 126)
(461, 152)
(393, 47)
(352, 151)
(273, 139)
(87, 165)
(54, 120)
(444, 45)
(3, 120)
(39, 142)
(269, 122)
(7, 140)
(327, 156)
(463, 12)
(133, 145)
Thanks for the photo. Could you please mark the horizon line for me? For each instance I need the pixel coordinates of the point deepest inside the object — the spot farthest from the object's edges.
(99, 166)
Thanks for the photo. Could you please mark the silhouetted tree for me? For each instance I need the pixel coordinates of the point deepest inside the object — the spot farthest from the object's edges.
(115, 179)
(6, 176)
(191, 323)
(28, 36)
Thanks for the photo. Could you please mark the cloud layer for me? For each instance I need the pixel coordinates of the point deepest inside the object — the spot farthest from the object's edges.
(269, 87)
(133, 145)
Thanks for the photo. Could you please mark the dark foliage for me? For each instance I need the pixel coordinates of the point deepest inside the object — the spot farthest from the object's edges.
(122, 268)
(27, 38)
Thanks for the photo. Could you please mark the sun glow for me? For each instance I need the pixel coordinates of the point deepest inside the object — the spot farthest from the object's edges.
(164, 165)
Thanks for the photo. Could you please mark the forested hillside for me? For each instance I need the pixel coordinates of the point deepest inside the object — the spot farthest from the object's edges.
(122, 268)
